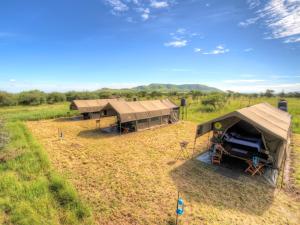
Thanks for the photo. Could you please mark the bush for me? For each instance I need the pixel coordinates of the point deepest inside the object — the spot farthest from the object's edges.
(214, 100)
(55, 97)
(73, 95)
(34, 97)
(207, 108)
(7, 99)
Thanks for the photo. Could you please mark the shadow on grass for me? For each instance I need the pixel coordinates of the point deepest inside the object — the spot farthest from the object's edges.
(97, 133)
(199, 182)
(70, 119)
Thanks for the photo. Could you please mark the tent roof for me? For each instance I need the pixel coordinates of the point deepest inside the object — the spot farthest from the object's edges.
(130, 111)
(94, 105)
(265, 117)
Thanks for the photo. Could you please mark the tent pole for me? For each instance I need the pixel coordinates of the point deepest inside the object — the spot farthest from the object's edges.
(283, 170)
(194, 146)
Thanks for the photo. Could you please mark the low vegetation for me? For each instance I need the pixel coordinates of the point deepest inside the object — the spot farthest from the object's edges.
(132, 179)
(30, 190)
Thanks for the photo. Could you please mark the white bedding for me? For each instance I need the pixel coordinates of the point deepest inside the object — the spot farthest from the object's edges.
(243, 142)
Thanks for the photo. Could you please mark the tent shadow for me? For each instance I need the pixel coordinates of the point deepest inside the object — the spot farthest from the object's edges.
(95, 133)
(200, 183)
(68, 119)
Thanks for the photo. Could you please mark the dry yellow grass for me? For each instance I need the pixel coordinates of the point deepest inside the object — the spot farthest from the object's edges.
(296, 161)
(133, 178)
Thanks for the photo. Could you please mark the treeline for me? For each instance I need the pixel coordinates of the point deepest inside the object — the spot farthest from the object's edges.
(36, 97)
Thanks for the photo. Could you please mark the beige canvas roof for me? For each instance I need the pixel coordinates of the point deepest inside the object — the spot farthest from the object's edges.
(94, 105)
(268, 118)
(131, 111)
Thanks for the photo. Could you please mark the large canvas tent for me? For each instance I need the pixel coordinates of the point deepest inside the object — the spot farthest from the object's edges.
(271, 124)
(92, 108)
(138, 115)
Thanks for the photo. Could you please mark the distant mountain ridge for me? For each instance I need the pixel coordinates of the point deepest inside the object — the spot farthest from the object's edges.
(176, 87)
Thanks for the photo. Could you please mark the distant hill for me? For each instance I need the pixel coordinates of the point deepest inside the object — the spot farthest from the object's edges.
(175, 87)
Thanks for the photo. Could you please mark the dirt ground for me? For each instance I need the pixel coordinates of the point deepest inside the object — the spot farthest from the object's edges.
(134, 178)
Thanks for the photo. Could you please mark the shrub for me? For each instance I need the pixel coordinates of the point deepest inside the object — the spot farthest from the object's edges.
(214, 100)
(34, 97)
(72, 95)
(55, 97)
(7, 99)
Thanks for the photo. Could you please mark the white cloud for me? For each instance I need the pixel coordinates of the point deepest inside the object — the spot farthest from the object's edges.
(136, 10)
(117, 6)
(24, 85)
(159, 4)
(248, 49)
(181, 30)
(248, 22)
(220, 49)
(176, 43)
(242, 81)
(252, 87)
(145, 13)
(180, 38)
(253, 3)
(292, 39)
(197, 49)
(282, 17)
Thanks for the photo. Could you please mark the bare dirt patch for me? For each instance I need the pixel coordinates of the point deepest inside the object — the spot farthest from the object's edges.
(134, 179)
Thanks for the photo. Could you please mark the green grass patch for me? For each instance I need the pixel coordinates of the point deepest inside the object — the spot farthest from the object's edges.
(30, 191)
(40, 112)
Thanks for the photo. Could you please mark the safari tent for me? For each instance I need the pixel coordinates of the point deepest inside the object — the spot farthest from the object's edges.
(261, 131)
(91, 108)
(139, 115)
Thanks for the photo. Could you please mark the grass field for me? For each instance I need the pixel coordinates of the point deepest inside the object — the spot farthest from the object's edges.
(130, 179)
(23, 113)
(134, 179)
(31, 192)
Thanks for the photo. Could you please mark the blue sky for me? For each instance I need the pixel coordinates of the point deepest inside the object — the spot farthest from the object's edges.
(65, 45)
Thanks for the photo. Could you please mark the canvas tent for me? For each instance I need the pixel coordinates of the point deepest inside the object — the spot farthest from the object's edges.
(273, 125)
(92, 108)
(143, 114)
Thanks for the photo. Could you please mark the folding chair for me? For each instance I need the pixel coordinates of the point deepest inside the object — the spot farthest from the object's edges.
(216, 155)
(183, 151)
(254, 169)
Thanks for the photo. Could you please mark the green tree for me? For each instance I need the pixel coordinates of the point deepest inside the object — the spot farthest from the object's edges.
(269, 93)
(34, 97)
(55, 97)
(7, 99)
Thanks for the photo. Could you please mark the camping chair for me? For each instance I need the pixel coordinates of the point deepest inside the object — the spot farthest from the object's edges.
(126, 130)
(254, 166)
(216, 155)
(183, 150)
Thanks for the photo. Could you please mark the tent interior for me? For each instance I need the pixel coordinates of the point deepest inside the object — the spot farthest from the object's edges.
(245, 141)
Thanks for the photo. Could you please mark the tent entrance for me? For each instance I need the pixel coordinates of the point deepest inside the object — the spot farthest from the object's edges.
(244, 141)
